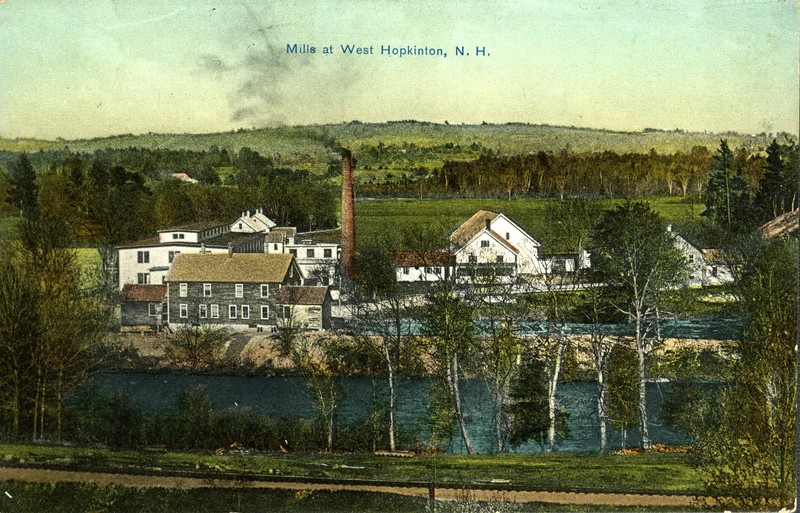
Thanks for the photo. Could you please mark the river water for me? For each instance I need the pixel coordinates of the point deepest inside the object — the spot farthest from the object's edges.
(287, 395)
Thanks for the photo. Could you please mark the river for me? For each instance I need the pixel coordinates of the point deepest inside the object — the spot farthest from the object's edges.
(287, 395)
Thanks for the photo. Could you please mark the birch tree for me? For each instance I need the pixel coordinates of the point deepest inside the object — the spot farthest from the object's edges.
(635, 255)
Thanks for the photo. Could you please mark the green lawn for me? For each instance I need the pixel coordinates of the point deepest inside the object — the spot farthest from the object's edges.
(378, 217)
(80, 498)
(551, 471)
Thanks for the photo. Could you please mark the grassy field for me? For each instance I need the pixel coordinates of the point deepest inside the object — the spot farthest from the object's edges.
(378, 217)
(80, 498)
(594, 472)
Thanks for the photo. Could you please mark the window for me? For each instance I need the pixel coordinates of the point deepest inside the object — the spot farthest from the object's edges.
(473, 259)
(206, 290)
(153, 309)
(691, 259)
(215, 311)
(275, 247)
(287, 312)
(265, 311)
(293, 252)
(499, 259)
(484, 243)
(174, 235)
(406, 270)
(245, 311)
(202, 311)
(264, 290)
(429, 270)
(142, 278)
(143, 257)
(172, 255)
(183, 290)
(327, 253)
(309, 253)
(239, 290)
(231, 311)
(240, 226)
(184, 311)
(508, 236)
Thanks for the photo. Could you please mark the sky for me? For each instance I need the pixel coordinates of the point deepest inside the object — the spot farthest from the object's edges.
(102, 67)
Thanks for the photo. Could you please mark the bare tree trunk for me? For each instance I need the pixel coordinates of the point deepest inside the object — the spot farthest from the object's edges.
(392, 421)
(452, 372)
(551, 395)
(602, 406)
(640, 352)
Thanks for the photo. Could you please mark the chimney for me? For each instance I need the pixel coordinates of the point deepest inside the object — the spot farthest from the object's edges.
(348, 216)
(488, 224)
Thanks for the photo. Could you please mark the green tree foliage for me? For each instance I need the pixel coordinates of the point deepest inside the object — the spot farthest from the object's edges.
(25, 189)
(195, 347)
(750, 458)
(530, 419)
(779, 186)
(726, 198)
(623, 390)
(50, 334)
(635, 256)
(447, 324)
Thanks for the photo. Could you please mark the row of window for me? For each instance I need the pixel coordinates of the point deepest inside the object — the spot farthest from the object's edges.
(234, 311)
(473, 259)
(143, 257)
(326, 253)
(238, 290)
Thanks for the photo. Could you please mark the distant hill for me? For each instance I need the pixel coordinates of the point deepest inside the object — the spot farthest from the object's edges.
(313, 147)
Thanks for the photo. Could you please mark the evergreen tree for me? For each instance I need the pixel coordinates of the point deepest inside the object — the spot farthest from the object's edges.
(727, 202)
(25, 191)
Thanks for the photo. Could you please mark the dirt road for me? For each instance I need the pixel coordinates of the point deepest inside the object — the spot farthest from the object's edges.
(101, 478)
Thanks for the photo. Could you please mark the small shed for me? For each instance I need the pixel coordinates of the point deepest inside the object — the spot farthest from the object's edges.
(305, 307)
(142, 306)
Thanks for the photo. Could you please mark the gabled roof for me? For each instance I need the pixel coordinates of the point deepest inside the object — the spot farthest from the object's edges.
(233, 268)
(301, 295)
(439, 257)
(472, 226)
(144, 293)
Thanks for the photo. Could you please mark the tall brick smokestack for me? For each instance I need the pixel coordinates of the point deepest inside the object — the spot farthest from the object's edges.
(348, 216)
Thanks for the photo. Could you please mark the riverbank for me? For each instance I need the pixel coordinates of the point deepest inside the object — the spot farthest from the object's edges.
(258, 354)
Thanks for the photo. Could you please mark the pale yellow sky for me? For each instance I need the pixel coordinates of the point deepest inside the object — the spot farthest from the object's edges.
(109, 67)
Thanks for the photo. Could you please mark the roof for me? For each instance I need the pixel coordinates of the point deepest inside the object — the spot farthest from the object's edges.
(183, 177)
(194, 227)
(472, 227)
(321, 236)
(148, 293)
(440, 257)
(233, 268)
(233, 238)
(301, 295)
(784, 224)
(714, 256)
(152, 241)
(280, 234)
